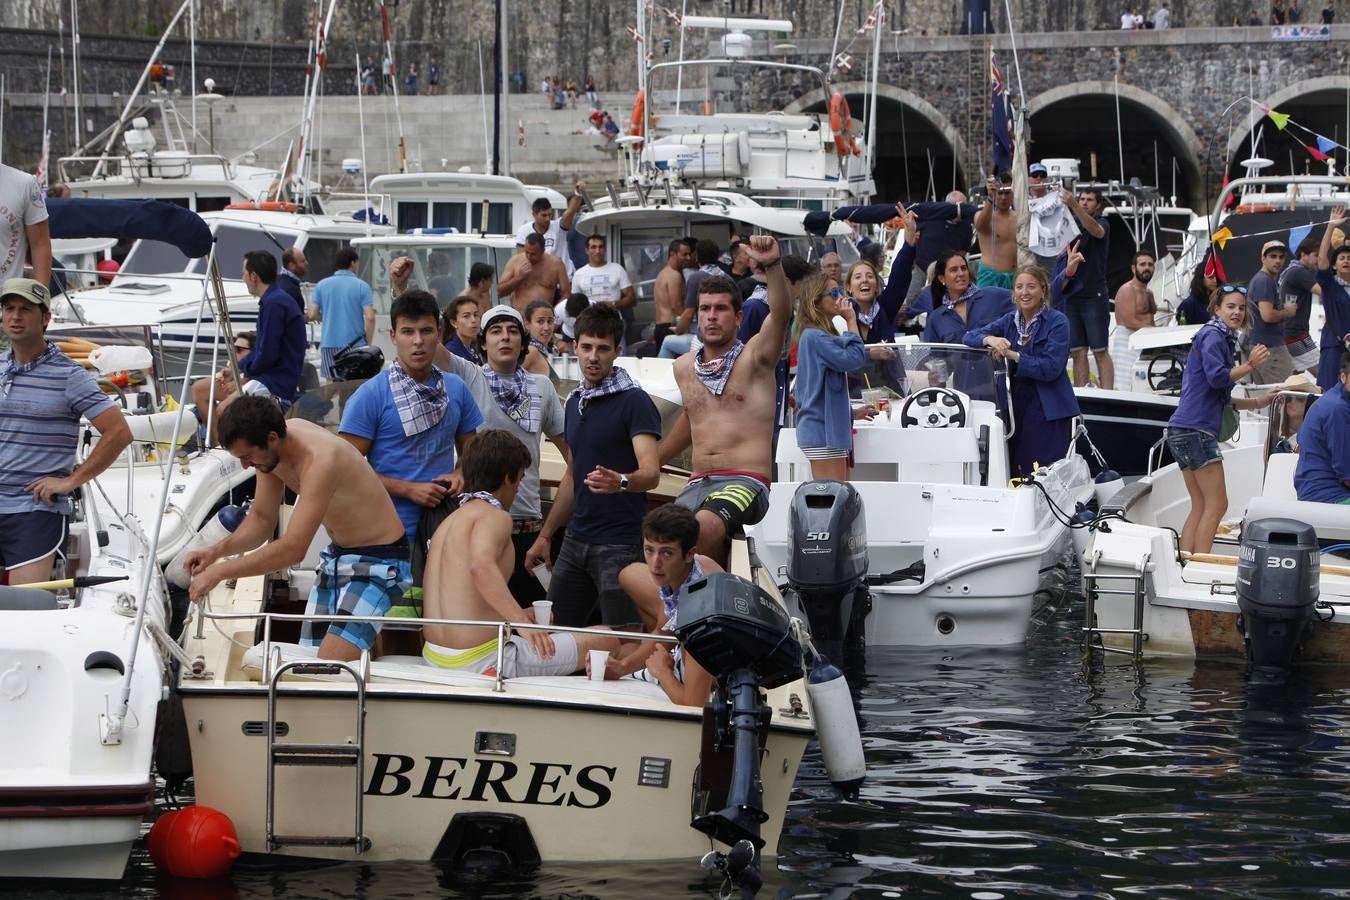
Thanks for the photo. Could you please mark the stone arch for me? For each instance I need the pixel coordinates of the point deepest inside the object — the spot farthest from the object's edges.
(1172, 126)
(930, 117)
(1283, 97)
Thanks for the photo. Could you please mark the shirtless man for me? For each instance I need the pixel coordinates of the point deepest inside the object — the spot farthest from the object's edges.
(1135, 308)
(729, 396)
(996, 228)
(668, 292)
(363, 571)
(479, 533)
(532, 274)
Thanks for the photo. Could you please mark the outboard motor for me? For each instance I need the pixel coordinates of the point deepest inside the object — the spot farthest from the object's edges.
(827, 562)
(1277, 586)
(746, 641)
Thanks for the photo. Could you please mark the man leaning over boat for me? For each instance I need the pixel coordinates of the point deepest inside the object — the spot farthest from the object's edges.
(365, 569)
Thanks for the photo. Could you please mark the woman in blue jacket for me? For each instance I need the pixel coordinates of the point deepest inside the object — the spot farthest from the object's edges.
(1193, 431)
(1034, 340)
(824, 359)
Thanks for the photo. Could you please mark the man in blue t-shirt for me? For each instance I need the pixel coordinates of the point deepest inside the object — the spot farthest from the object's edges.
(1323, 473)
(411, 418)
(612, 427)
(1268, 313)
(343, 303)
(278, 355)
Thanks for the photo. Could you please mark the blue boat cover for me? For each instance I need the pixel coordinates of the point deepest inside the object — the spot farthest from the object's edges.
(155, 220)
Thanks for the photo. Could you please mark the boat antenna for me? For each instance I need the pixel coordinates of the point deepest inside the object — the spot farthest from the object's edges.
(75, 59)
(192, 65)
(482, 93)
(1120, 140)
(361, 120)
(44, 171)
(393, 84)
(679, 71)
(878, 17)
(116, 130)
(834, 48)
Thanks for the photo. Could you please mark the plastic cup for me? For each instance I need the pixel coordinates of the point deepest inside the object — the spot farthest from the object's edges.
(543, 574)
(873, 397)
(599, 658)
(543, 611)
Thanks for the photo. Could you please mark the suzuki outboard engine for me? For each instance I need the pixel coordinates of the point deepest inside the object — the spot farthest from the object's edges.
(827, 563)
(745, 640)
(1277, 587)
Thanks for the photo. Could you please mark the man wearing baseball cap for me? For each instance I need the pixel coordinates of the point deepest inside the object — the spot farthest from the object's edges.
(1268, 313)
(43, 396)
(526, 405)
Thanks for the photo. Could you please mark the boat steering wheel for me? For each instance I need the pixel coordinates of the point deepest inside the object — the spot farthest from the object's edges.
(1164, 373)
(933, 407)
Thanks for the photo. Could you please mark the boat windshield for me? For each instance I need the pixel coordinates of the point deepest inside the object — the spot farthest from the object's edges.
(917, 366)
(233, 241)
(442, 269)
(153, 258)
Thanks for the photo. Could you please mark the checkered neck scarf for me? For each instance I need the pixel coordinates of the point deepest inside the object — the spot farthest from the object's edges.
(1229, 334)
(715, 373)
(668, 595)
(866, 318)
(1027, 330)
(515, 395)
(616, 382)
(969, 294)
(420, 406)
(481, 495)
(543, 349)
(9, 368)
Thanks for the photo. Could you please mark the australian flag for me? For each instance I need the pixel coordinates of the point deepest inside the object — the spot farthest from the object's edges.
(1001, 121)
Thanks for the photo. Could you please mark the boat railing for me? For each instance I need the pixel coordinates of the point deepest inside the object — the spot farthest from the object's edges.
(504, 632)
(127, 163)
(1235, 187)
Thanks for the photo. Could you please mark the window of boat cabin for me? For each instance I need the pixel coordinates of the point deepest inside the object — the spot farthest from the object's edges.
(321, 255)
(212, 204)
(644, 252)
(448, 214)
(233, 241)
(444, 268)
(153, 258)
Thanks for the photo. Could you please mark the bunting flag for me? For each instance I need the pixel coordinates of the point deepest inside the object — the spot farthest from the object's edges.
(1316, 153)
(1232, 198)
(1280, 119)
(1221, 237)
(1296, 236)
(1326, 145)
(1214, 269)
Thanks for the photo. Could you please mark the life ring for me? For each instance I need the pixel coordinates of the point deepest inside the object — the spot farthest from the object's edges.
(639, 107)
(268, 205)
(841, 123)
(1255, 208)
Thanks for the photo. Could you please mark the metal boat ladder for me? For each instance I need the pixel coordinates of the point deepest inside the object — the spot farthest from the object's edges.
(1123, 585)
(311, 754)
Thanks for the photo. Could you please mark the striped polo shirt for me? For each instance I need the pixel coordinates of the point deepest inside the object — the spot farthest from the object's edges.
(40, 424)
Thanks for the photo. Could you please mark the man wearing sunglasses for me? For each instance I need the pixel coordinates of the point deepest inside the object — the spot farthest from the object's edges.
(1268, 312)
(201, 388)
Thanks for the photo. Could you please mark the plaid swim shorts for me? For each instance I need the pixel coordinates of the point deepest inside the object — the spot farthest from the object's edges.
(356, 581)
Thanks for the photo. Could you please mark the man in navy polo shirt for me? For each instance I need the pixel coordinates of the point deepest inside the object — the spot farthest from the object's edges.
(612, 427)
(278, 353)
(1323, 473)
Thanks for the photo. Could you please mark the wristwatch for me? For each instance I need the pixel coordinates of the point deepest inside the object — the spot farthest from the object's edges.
(623, 482)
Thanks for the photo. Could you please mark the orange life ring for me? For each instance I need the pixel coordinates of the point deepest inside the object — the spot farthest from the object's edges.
(841, 123)
(639, 107)
(1256, 208)
(268, 205)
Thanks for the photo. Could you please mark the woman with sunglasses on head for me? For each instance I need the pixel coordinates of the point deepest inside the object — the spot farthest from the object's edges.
(825, 357)
(1206, 388)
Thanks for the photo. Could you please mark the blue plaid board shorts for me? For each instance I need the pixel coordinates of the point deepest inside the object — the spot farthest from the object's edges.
(356, 581)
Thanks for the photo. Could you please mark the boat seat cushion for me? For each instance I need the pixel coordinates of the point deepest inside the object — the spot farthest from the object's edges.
(1279, 482)
(1330, 520)
(16, 599)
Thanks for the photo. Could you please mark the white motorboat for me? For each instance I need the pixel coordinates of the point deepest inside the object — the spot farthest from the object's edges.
(954, 553)
(1147, 599)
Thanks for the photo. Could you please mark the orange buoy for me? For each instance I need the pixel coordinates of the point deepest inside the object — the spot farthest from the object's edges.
(1255, 208)
(841, 123)
(269, 205)
(194, 842)
(639, 107)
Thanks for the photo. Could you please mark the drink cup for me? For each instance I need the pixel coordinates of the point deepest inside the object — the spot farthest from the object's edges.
(599, 659)
(543, 574)
(873, 397)
(543, 612)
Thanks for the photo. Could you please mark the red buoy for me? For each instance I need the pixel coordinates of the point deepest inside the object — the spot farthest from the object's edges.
(194, 842)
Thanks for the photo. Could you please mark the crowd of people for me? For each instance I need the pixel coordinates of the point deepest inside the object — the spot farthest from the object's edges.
(436, 459)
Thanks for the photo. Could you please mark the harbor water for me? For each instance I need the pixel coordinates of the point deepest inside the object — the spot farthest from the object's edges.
(992, 773)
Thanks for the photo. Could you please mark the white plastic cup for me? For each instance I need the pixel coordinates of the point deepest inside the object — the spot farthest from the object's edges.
(543, 612)
(542, 573)
(599, 658)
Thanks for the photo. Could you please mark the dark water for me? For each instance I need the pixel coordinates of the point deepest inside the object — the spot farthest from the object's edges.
(995, 774)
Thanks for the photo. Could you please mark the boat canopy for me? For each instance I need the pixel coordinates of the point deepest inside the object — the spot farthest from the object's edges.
(155, 220)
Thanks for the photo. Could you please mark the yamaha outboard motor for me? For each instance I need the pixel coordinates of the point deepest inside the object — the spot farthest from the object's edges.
(1277, 587)
(746, 641)
(827, 563)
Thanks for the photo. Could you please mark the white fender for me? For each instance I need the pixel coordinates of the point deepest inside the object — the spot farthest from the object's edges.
(213, 531)
(837, 728)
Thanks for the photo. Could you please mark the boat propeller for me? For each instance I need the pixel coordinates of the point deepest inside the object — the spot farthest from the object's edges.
(737, 866)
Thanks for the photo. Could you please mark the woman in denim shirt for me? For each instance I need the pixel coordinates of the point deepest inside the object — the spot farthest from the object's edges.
(824, 359)
(1193, 430)
(1034, 340)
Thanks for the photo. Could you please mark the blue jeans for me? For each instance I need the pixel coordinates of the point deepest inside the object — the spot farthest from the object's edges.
(586, 574)
(675, 345)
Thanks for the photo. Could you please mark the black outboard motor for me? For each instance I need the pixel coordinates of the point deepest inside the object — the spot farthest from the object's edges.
(827, 563)
(746, 641)
(1277, 587)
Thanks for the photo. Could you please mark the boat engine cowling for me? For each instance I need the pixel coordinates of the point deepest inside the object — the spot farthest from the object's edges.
(827, 560)
(1277, 586)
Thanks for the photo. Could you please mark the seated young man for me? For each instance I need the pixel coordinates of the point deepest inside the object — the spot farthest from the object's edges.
(479, 534)
(203, 394)
(1323, 472)
(669, 536)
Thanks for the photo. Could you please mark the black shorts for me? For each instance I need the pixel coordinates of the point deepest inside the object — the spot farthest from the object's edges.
(29, 537)
(738, 500)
